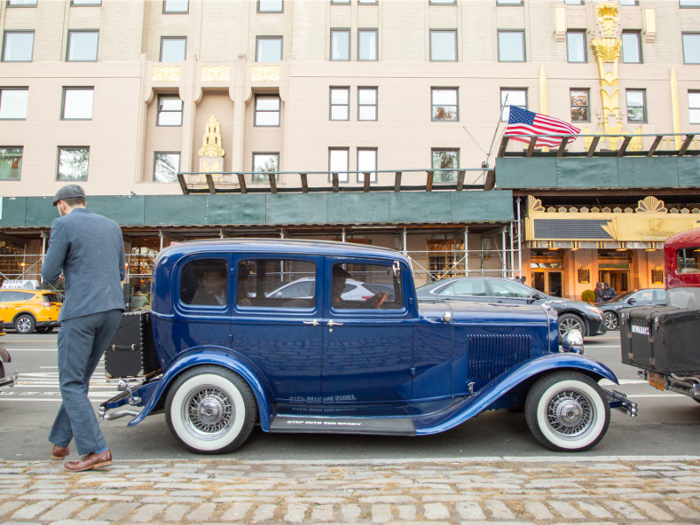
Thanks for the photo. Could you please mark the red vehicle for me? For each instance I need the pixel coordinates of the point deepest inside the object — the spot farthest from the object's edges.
(662, 340)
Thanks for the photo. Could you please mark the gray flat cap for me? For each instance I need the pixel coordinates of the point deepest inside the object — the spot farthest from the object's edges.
(71, 191)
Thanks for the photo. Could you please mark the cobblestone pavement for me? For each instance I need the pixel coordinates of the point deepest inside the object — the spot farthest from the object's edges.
(565, 489)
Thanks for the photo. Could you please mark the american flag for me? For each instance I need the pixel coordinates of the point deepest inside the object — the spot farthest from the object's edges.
(524, 122)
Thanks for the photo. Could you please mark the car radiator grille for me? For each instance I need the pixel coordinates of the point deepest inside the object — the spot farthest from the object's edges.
(491, 355)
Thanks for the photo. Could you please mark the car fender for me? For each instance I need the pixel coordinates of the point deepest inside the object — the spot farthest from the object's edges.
(24, 313)
(219, 357)
(492, 391)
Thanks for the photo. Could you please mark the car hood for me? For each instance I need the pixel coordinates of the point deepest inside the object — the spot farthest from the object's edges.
(484, 313)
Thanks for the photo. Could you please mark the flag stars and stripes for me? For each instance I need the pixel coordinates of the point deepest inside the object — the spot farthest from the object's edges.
(523, 124)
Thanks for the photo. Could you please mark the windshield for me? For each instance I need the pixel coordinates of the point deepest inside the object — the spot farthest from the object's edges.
(621, 297)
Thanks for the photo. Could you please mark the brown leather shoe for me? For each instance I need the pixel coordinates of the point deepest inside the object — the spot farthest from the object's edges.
(59, 452)
(90, 461)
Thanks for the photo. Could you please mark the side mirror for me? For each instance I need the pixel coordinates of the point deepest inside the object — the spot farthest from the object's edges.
(631, 300)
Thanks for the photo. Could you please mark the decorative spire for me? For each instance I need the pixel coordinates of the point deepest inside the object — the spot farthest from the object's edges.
(211, 142)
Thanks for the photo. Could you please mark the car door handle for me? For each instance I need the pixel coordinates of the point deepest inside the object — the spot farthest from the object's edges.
(334, 323)
(314, 322)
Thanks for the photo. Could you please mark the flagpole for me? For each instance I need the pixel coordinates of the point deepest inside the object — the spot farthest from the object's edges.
(498, 125)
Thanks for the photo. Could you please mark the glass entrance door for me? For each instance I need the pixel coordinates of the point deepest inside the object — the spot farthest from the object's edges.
(547, 281)
(618, 279)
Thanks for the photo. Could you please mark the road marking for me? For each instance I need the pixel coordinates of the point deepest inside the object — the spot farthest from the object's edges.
(656, 395)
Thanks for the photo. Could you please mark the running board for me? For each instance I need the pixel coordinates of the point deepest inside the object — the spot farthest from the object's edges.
(390, 426)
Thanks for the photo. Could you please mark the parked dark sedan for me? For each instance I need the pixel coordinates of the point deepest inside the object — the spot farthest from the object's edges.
(646, 297)
(586, 318)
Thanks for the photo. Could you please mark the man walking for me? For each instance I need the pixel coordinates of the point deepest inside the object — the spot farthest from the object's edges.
(89, 249)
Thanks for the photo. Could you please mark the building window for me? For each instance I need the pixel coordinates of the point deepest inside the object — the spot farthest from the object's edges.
(690, 3)
(367, 163)
(73, 163)
(512, 97)
(176, 6)
(580, 107)
(576, 46)
(691, 48)
(82, 46)
(367, 44)
(511, 46)
(18, 46)
(367, 2)
(340, 44)
(77, 103)
(169, 110)
(338, 159)
(21, 3)
(265, 163)
(11, 163)
(631, 47)
(693, 105)
(166, 164)
(573, 2)
(443, 2)
(509, 2)
(631, 2)
(636, 105)
(267, 110)
(340, 104)
(340, 2)
(85, 2)
(442, 159)
(367, 103)
(172, 49)
(443, 45)
(13, 103)
(445, 104)
(270, 6)
(268, 49)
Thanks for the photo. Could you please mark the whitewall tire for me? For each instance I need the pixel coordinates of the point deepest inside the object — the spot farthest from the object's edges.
(567, 411)
(210, 410)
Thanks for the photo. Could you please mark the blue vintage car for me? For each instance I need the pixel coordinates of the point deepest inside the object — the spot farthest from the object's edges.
(219, 352)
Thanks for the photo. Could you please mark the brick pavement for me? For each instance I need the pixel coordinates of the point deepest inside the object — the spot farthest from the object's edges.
(566, 489)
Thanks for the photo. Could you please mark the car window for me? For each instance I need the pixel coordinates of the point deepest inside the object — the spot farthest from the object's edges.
(688, 260)
(379, 287)
(204, 282)
(509, 289)
(660, 295)
(15, 296)
(469, 287)
(447, 290)
(276, 283)
(646, 296)
(52, 298)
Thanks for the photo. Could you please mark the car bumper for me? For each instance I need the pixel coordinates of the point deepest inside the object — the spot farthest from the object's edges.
(596, 327)
(45, 324)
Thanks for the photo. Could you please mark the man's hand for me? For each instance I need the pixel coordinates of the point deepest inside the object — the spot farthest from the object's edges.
(377, 300)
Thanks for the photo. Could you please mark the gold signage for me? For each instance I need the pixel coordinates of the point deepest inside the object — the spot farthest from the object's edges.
(216, 73)
(265, 73)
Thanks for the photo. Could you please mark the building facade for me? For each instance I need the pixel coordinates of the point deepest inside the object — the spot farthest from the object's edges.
(379, 119)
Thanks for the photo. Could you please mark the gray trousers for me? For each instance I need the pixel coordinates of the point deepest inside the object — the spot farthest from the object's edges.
(81, 343)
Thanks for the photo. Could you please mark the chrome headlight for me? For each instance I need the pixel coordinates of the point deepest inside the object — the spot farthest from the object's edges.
(595, 309)
(572, 342)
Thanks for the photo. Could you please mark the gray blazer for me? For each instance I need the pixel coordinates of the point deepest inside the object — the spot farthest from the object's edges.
(89, 248)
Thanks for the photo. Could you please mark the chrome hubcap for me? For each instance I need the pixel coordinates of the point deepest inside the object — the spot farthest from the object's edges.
(208, 412)
(570, 414)
(610, 321)
(23, 324)
(569, 324)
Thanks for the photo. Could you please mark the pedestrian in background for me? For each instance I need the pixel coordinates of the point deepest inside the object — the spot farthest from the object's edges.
(608, 292)
(89, 249)
(599, 292)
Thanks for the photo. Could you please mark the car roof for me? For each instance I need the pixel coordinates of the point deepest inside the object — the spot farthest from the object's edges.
(285, 246)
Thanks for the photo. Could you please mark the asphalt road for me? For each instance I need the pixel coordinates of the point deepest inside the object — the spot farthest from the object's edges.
(668, 424)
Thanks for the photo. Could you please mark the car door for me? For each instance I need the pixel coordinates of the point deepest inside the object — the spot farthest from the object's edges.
(660, 297)
(281, 333)
(641, 298)
(367, 346)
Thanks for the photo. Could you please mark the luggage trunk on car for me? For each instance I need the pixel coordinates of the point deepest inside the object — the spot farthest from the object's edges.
(131, 352)
(662, 339)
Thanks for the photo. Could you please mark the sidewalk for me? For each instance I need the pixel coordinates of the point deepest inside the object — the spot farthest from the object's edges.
(566, 489)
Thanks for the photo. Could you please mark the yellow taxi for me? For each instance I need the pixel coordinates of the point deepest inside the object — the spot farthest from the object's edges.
(27, 311)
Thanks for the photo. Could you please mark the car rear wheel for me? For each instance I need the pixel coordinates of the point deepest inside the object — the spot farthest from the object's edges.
(570, 322)
(210, 410)
(24, 324)
(567, 411)
(611, 321)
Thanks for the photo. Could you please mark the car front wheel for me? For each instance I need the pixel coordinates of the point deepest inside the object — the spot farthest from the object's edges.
(24, 324)
(210, 410)
(570, 322)
(611, 321)
(567, 411)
